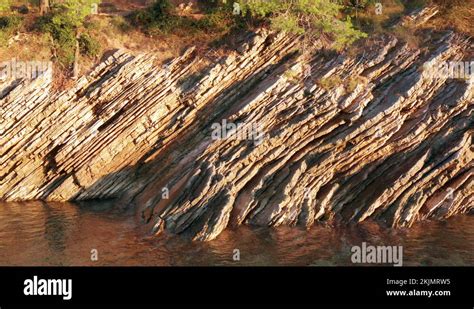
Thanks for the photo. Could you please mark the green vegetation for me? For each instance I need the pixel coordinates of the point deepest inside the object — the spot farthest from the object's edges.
(63, 23)
(157, 17)
(162, 18)
(218, 19)
(310, 18)
(88, 45)
(9, 24)
(63, 33)
(75, 11)
(208, 22)
(120, 23)
(4, 5)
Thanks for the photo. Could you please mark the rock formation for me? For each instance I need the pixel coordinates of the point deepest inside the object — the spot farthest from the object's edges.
(377, 135)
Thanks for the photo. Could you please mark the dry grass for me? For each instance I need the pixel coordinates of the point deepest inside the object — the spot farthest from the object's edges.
(371, 22)
(408, 35)
(458, 15)
(27, 47)
(351, 84)
(331, 82)
(112, 31)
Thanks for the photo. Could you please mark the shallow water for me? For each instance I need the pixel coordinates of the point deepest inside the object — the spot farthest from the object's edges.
(38, 233)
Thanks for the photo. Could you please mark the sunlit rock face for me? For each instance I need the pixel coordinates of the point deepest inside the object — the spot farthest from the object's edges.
(261, 136)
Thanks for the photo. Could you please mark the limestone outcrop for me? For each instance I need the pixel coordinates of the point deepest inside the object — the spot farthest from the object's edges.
(261, 136)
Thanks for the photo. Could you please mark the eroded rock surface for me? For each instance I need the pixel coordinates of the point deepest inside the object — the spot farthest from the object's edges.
(340, 137)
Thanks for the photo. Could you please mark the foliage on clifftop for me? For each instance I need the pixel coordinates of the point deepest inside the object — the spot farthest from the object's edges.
(167, 26)
(310, 18)
(63, 23)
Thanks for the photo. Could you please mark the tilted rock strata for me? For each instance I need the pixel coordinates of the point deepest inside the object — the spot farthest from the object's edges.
(371, 136)
(397, 149)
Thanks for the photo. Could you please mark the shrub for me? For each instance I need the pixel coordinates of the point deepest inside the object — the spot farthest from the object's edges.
(161, 18)
(10, 22)
(121, 24)
(89, 46)
(216, 20)
(157, 17)
(8, 25)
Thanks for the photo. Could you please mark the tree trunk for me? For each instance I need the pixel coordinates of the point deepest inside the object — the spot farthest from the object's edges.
(75, 69)
(44, 7)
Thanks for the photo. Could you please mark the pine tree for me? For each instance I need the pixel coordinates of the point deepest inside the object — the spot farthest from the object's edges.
(310, 18)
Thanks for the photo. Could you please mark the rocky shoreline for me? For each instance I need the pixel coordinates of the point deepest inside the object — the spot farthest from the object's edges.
(343, 137)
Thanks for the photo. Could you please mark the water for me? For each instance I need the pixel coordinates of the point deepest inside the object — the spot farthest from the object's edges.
(38, 233)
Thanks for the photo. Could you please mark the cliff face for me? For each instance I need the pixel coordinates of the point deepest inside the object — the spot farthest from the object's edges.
(261, 136)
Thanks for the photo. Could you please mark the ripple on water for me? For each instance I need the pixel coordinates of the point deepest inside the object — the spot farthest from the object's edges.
(39, 233)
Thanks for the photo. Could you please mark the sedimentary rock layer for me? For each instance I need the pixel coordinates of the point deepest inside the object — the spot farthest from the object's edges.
(374, 134)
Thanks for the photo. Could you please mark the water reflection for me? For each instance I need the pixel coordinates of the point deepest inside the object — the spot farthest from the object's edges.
(39, 233)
